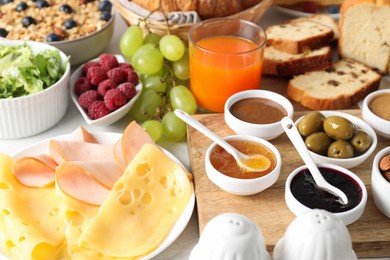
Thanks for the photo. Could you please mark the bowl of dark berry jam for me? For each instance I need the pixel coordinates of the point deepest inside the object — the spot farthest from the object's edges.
(302, 194)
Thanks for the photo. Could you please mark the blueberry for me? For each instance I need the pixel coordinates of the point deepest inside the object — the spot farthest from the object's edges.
(3, 32)
(66, 8)
(3, 2)
(21, 7)
(105, 6)
(105, 15)
(27, 21)
(70, 23)
(53, 37)
(333, 9)
(41, 4)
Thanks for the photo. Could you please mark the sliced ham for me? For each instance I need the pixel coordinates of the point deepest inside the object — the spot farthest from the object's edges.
(62, 151)
(38, 171)
(133, 138)
(82, 135)
(87, 181)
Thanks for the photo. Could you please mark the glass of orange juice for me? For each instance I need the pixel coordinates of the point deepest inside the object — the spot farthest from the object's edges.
(226, 57)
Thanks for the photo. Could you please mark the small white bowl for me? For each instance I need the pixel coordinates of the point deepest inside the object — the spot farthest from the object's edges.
(379, 185)
(265, 131)
(111, 117)
(315, 235)
(348, 216)
(349, 162)
(230, 236)
(243, 186)
(32, 114)
(381, 126)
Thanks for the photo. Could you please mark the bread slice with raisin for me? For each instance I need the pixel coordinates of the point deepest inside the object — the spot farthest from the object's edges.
(342, 85)
(298, 37)
(283, 64)
(324, 19)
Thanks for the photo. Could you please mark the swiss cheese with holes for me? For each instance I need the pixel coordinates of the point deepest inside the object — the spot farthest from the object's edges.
(141, 208)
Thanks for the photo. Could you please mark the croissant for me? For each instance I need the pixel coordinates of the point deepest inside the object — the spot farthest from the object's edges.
(204, 8)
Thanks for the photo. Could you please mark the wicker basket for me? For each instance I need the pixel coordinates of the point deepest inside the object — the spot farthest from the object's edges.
(181, 29)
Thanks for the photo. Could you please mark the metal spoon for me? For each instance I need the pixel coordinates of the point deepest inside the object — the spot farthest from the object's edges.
(247, 163)
(295, 137)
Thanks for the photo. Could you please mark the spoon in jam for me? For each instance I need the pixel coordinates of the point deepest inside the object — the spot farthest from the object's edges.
(247, 163)
(295, 137)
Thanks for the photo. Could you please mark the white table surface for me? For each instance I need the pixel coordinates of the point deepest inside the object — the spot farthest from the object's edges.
(182, 247)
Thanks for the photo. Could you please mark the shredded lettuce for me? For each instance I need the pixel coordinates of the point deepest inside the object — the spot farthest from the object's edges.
(24, 71)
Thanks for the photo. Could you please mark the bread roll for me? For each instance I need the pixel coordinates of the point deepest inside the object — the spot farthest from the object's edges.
(204, 8)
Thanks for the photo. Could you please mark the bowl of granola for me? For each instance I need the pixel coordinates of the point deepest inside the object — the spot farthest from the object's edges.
(82, 29)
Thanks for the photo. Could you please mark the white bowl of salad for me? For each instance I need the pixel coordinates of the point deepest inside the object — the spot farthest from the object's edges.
(34, 94)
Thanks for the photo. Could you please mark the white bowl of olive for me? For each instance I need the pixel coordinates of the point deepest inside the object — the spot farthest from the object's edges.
(337, 138)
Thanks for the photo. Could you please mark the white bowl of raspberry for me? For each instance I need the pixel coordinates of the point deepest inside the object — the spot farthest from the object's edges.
(104, 89)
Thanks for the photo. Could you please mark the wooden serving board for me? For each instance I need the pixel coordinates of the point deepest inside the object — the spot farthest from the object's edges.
(370, 234)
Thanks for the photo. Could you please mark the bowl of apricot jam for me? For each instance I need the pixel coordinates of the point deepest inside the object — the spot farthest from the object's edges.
(257, 113)
(223, 170)
(302, 194)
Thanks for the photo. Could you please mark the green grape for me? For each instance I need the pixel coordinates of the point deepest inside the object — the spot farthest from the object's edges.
(130, 41)
(152, 38)
(174, 129)
(145, 106)
(171, 47)
(154, 128)
(155, 82)
(147, 59)
(181, 68)
(182, 98)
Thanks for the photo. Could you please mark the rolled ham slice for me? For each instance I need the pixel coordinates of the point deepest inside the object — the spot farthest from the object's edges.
(82, 135)
(37, 172)
(133, 138)
(62, 151)
(87, 181)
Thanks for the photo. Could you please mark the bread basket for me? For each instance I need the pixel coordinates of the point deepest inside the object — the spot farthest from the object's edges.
(160, 27)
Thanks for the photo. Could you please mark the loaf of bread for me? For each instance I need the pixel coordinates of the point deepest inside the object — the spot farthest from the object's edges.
(285, 64)
(340, 86)
(204, 8)
(365, 32)
(298, 37)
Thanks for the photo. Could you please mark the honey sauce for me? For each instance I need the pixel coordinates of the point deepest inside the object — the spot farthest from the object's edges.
(380, 106)
(226, 164)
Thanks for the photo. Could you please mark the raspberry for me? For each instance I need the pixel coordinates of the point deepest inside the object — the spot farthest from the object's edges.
(82, 85)
(128, 89)
(126, 66)
(117, 75)
(132, 77)
(96, 75)
(105, 85)
(114, 99)
(108, 61)
(98, 109)
(88, 65)
(87, 98)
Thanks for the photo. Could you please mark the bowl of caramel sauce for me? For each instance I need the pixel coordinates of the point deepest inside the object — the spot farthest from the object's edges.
(376, 111)
(257, 113)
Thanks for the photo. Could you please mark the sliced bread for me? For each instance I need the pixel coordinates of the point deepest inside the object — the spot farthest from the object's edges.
(298, 37)
(285, 64)
(324, 19)
(342, 85)
(365, 32)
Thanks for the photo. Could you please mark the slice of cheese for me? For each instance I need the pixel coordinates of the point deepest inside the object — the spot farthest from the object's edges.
(31, 226)
(142, 207)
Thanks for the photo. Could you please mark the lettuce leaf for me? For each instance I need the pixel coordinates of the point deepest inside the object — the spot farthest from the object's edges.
(24, 71)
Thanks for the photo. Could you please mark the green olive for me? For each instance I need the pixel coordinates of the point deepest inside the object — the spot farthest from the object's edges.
(340, 149)
(339, 128)
(318, 142)
(361, 141)
(311, 123)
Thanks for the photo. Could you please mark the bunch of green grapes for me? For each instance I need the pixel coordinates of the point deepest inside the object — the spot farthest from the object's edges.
(163, 66)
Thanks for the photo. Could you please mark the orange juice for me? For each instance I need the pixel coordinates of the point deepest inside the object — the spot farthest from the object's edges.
(221, 66)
